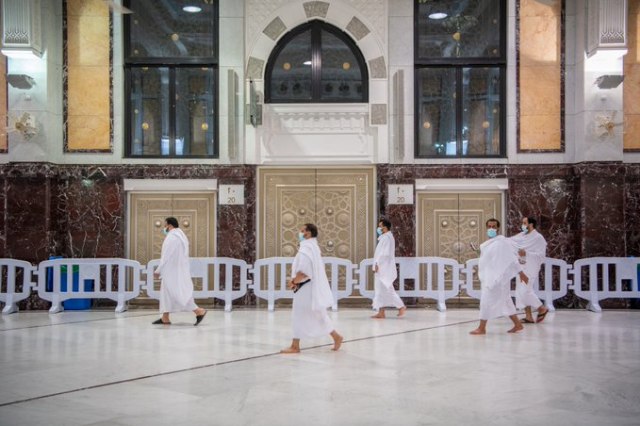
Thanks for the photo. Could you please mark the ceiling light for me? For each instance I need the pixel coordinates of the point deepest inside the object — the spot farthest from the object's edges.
(192, 9)
(306, 63)
(437, 15)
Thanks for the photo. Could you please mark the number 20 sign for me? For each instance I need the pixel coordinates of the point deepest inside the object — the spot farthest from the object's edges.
(231, 194)
(400, 194)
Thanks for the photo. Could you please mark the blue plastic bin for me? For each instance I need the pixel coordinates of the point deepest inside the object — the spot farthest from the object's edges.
(71, 304)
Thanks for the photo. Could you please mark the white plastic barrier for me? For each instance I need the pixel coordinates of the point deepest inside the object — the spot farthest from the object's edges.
(209, 270)
(266, 285)
(111, 278)
(548, 294)
(270, 279)
(433, 277)
(10, 269)
(603, 273)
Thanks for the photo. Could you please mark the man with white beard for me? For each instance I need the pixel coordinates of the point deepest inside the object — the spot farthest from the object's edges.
(532, 249)
(497, 265)
(312, 294)
(384, 267)
(176, 291)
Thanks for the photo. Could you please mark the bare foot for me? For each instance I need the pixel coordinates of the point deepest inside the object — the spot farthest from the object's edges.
(402, 311)
(290, 350)
(516, 328)
(478, 332)
(337, 342)
(379, 315)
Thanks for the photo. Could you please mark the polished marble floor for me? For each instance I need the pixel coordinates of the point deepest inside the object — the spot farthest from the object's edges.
(101, 368)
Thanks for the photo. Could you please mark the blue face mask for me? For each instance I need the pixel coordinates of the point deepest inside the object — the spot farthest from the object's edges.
(164, 231)
(492, 233)
(524, 228)
(379, 231)
(300, 236)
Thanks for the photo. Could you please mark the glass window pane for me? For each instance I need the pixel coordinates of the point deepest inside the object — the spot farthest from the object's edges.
(341, 76)
(437, 112)
(459, 29)
(481, 111)
(291, 74)
(195, 111)
(164, 29)
(149, 109)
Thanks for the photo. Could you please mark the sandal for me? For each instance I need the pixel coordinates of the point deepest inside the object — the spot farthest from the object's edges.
(159, 321)
(541, 316)
(527, 321)
(199, 318)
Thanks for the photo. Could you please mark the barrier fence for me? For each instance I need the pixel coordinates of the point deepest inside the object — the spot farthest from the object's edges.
(228, 279)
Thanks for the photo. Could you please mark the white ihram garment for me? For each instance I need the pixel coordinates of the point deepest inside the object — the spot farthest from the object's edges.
(176, 291)
(384, 257)
(309, 313)
(497, 265)
(536, 248)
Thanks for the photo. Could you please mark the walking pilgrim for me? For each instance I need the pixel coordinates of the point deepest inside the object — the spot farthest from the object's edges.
(312, 294)
(176, 289)
(384, 267)
(497, 265)
(532, 249)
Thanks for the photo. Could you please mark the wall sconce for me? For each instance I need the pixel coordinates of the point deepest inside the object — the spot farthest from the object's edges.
(21, 81)
(609, 81)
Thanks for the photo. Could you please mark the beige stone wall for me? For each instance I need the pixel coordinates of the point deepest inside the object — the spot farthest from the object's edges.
(88, 80)
(3, 103)
(631, 106)
(539, 75)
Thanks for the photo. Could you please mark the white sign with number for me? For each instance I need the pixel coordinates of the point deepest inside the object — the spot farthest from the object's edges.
(400, 194)
(231, 195)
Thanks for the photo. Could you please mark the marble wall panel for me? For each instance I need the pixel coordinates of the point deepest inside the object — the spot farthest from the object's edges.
(540, 70)
(3, 105)
(631, 89)
(601, 201)
(87, 74)
(632, 210)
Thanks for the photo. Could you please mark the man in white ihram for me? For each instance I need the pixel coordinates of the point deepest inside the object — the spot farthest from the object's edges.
(176, 291)
(497, 265)
(532, 249)
(312, 294)
(384, 267)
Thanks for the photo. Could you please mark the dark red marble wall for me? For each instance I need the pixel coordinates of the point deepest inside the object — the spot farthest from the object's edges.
(584, 210)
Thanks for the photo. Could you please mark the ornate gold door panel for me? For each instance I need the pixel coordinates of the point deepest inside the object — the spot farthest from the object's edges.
(195, 213)
(341, 202)
(449, 223)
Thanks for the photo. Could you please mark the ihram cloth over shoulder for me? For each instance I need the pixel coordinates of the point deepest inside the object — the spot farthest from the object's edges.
(309, 312)
(176, 292)
(497, 265)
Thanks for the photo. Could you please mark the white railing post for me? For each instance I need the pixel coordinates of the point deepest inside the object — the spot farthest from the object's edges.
(623, 269)
(200, 267)
(11, 297)
(98, 271)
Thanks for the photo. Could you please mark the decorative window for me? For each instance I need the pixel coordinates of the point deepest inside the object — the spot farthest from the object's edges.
(460, 75)
(316, 62)
(171, 71)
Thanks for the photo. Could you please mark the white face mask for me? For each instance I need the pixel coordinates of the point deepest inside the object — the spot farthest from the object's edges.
(301, 236)
(524, 228)
(165, 231)
(379, 231)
